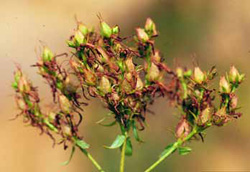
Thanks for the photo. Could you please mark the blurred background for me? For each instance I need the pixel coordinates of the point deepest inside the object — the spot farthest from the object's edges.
(204, 32)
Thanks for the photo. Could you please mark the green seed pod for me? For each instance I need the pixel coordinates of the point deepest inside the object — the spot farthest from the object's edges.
(47, 55)
(142, 35)
(83, 29)
(199, 76)
(115, 30)
(79, 38)
(224, 85)
(179, 72)
(106, 30)
(105, 85)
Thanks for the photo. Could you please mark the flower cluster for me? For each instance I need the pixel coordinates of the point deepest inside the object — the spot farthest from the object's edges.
(127, 74)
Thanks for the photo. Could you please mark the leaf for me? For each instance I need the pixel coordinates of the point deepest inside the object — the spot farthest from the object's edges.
(135, 132)
(71, 155)
(184, 150)
(117, 143)
(103, 119)
(109, 124)
(129, 147)
(81, 144)
(167, 149)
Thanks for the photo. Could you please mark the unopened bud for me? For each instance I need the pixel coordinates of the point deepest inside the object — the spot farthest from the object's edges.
(24, 85)
(52, 117)
(47, 55)
(66, 130)
(199, 76)
(106, 30)
(179, 72)
(224, 85)
(153, 73)
(90, 77)
(150, 27)
(142, 35)
(105, 85)
(156, 57)
(65, 104)
(21, 103)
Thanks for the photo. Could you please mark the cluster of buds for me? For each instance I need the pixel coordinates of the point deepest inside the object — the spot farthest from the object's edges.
(60, 123)
(127, 74)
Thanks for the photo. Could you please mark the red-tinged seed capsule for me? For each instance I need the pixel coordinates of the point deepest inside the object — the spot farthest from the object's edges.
(90, 77)
(142, 35)
(24, 85)
(115, 30)
(105, 85)
(65, 104)
(183, 128)
(199, 76)
(66, 130)
(129, 64)
(126, 86)
(139, 83)
(234, 102)
(224, 85)
(204, 116)
(153, 73)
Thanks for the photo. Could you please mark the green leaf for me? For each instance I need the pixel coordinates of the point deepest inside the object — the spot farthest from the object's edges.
(167, 149)
(129, 147)
(71, 155)
(184, 150)
(81, 144)
(135, 132)
(117, 143)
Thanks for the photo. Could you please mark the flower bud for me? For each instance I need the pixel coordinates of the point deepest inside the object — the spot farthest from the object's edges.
(65, 104)
(83, 29)
(224, 85)
(129, 64)
(156, 57)
(153, 73)
(126, 86)
(52, 117)
(204, 116)
(79, 38)
(142, 35)
(106, 31)
(199, 76)
(234, 76)
(47, 55)
(182, 129)
(105, 85)
(150, 27)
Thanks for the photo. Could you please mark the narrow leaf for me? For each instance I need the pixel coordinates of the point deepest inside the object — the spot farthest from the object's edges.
(129, 148)
(117, 143)
(71, 155)
(184, 150)
(167, 149)
(109, 124)
(81, 144)
(136, 132)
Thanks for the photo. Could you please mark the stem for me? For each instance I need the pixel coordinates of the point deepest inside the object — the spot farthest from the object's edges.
(122, 162)
(172, 149)
(89, 156)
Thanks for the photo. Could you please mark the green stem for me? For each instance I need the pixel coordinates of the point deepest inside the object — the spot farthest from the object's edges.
(89, 156)
(122, 162)
(178, 143)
